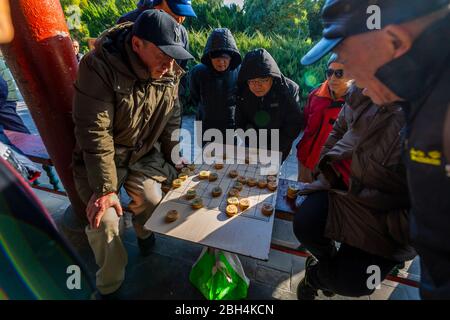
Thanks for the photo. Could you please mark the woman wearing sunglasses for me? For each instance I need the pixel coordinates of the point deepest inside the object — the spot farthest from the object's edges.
(268, 100)
(321, 111)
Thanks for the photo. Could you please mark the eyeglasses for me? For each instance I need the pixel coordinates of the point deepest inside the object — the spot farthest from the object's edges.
(258, 81)
(339, 73)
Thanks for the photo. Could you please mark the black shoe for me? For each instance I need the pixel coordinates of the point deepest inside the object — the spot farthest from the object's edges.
(328, 293)
(311, 261)
(146, 245)
(305, 291)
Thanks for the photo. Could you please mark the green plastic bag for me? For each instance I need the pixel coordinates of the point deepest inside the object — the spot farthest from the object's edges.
(219, 275)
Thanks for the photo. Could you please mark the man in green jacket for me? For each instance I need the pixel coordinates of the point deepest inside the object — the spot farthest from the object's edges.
(125, 115)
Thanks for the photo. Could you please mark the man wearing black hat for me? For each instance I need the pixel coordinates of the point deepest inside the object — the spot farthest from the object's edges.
(179, 10)
(406, 58)
(125, 115)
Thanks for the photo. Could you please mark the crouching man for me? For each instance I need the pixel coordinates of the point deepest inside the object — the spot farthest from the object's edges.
(124, 114)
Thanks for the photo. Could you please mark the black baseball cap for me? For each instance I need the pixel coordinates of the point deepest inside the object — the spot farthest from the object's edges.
(159, 28)
(343, 18)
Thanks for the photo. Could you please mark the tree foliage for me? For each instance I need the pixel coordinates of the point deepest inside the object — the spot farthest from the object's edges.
(286, 17)
(214, 14)
(286, 28)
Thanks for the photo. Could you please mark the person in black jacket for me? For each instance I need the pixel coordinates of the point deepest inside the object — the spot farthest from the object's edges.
(406, 60)
(131, 16)
(213, 82)
(268, 100)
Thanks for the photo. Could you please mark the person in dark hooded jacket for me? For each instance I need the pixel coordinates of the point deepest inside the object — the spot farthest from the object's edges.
(213, 82)
(268, 100)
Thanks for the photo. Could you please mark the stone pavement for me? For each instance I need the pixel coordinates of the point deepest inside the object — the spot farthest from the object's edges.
(165, 273)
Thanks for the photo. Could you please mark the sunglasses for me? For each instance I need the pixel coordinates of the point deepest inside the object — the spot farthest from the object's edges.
(339, 73)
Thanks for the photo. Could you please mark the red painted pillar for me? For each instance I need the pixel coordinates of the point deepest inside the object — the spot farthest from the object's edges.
(43, 62)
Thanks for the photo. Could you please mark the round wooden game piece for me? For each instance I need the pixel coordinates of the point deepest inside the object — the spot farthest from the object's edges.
(251, 182)
(242, 179)
(218, 166)
(233, 192)
(262, 184)
(216, 192)
(233, 174)
(244, 204)
(233, 201)
(203, 175)
(191, 194)
(213, 176)
(292, 191)
(237, 185)
(172, 216)
(271, 178)
(267, 209)
(176, 183)
(179, 167)
(197, 203)
(186, 171)
(191, 166)
(183, 176)
(231, 210)
(272, 186)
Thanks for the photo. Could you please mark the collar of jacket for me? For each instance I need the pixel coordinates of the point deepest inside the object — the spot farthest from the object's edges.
(324, 92)
(413, 75)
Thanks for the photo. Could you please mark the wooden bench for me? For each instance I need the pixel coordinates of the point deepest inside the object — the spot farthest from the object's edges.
(33, 147)
(285, 210)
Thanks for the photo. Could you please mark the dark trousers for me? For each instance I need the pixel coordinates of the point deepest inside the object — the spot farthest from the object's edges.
(343, 271)
(9, 118)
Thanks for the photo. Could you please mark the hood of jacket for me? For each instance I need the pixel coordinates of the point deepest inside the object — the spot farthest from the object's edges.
(258, 64)
(221, 39)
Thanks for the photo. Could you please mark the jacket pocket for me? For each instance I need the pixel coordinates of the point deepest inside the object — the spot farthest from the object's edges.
(380, 177)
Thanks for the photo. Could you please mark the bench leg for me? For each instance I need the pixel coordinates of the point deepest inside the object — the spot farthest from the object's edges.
(53, 177)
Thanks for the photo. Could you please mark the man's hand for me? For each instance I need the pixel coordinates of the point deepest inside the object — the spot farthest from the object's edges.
(320, 184)
(184, 161)
(97, 207)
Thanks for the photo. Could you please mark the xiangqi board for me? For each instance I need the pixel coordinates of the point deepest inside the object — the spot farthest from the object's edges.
(248, 232)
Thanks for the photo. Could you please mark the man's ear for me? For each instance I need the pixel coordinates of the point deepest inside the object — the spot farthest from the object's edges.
(136, 43)
(400, 39)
